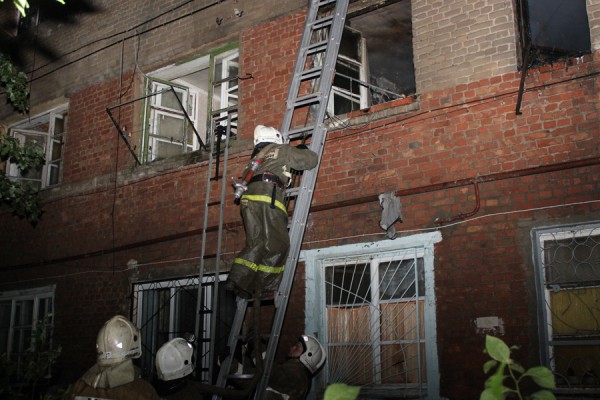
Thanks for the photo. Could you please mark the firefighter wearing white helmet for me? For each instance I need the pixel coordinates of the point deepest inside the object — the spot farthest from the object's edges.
(267, 134)
(291, 380)
(174, 364)
(118, 340)
(174, 360)
(259, 265)
(313, 356)
(114, 376)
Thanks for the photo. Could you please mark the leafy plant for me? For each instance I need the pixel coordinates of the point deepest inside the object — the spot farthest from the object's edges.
(23, 5)
(21, 196)
(30, 376)
(15, 83)
(508, 369)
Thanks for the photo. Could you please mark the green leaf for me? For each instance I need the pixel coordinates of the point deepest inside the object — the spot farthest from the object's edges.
(543, 395)
(542, 376)
(487, 367)
(517, 367)
(341, 391)
(497, 349)
(489, 394)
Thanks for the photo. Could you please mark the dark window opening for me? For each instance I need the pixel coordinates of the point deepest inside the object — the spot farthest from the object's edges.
(375, 62)
(554, 29)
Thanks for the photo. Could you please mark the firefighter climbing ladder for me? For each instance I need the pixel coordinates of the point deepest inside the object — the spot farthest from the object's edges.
(304, 117)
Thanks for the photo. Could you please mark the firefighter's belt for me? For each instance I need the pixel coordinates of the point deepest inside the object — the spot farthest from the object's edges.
(268, 177)
(259, 268)
(266, 199)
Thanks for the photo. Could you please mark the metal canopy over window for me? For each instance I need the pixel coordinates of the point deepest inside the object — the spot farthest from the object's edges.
(552, 29)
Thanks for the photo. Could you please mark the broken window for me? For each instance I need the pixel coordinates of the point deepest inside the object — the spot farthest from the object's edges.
(188, 100)
(552, 29)
(46, 131)
(375, 60)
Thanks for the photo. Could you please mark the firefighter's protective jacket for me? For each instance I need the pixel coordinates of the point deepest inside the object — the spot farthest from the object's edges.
(117, 382)
(290, 380)
(260, 263)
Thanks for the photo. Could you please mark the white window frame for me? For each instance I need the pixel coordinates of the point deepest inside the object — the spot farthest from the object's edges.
(362, 65)
(158, 111)
(315, 262)
(17, 330)
(53, 142)
(199, 114)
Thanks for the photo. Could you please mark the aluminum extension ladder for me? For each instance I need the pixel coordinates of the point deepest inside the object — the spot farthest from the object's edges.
(306, 107)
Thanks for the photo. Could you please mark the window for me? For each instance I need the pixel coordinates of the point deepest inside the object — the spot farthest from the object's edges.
(20, 313)
(567, 262)
(554, 28)
(375, 61)
(167, 309)
(48, 132)
(377, 314)
(188, 100)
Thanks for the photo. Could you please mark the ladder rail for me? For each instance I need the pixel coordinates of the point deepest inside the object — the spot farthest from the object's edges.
(224, 187)
(202, 268)
(322, 78)
(309, 177)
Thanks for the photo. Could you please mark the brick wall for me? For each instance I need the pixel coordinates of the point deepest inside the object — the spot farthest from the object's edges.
(460, 41)
(461, 127)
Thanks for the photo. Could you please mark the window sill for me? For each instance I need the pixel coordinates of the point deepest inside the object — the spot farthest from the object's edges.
(379, 111)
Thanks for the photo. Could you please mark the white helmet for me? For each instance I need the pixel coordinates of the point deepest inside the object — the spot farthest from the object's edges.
(118, 340)
(267, 134)
(314, 354)
(174, 360)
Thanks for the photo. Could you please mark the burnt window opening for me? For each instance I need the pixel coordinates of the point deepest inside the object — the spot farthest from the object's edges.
(553, 29)
(375, 61)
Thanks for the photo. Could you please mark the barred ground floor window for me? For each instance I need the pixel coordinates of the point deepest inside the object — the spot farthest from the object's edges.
(567, 266)
(376, 304)
(167, 309)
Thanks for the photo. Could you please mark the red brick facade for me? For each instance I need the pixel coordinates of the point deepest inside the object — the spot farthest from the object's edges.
(459, 154)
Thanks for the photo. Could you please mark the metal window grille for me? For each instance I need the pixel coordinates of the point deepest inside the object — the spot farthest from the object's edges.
(567, 261)
(375, 322)
(167, 309)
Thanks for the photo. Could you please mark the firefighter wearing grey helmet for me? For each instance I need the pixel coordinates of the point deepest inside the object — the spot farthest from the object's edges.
(174, 364)
(292, 379)
(259, 265)
(118, 340)
(313, 356)
(174, 360)
(114, 376)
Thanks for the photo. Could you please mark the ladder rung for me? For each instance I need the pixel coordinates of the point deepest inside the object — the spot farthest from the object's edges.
(307, 100)
(311, 73)
(300, 132)
(325, 2)
(323, 22)
(317, 47)
(291, 192)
